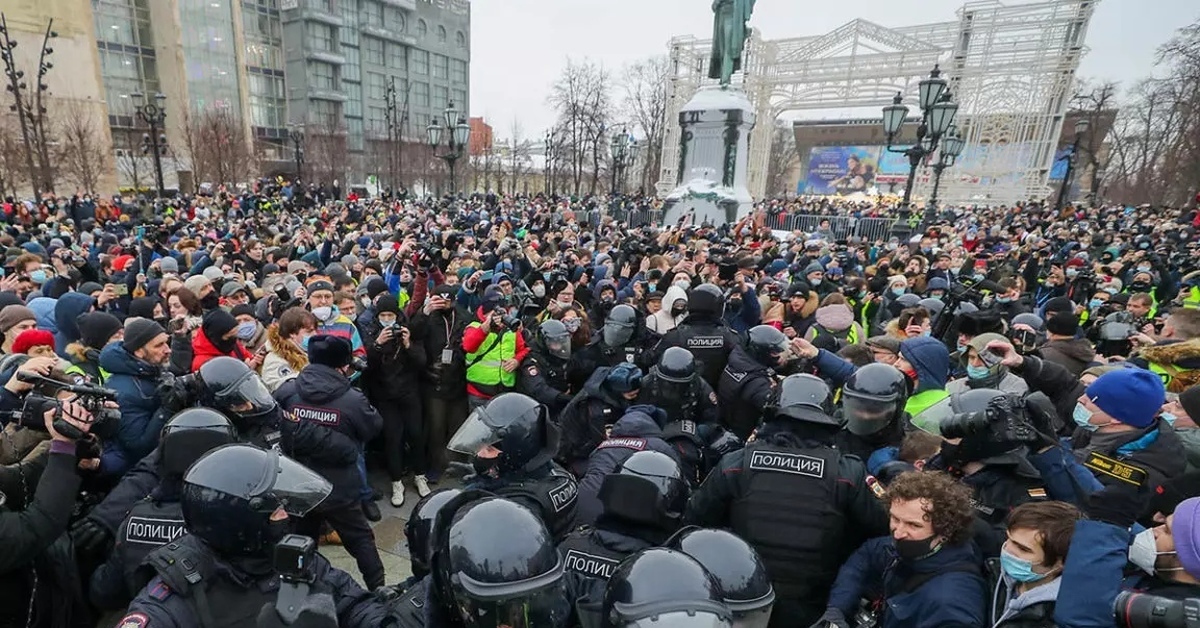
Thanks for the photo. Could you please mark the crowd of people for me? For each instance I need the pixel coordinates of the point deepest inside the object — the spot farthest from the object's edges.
(989, 421)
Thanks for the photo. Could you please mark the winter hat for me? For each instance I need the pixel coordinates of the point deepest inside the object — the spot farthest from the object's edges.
(31, 338)
(13, 314)
(1132, 396)
(493, 296)
(329, 350)
(1190, 400)
(143, 307)
(388, 303)
(139, 332)
(196, 284)
(1168, 495)
(1063, 324)
(835, 317)
(88, 287)
(1059, 304)
(623, 378)
(168, 265)
(1186, 531)
(375, 287)
(96, 328)
(930, 358)
(777, 266)
(319, 284)
(814, 267)
(349, 260)
(9, 298)
(242, 308)
(212, 273)
(296, 267)
(233, 287)
(217, 323)
(885, 342)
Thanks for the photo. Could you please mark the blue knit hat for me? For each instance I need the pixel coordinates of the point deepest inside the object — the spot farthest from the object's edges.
(1185, 530)
(1132, 396)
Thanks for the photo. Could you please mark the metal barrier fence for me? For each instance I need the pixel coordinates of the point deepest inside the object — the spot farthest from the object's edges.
(633, 217)
(841, 227)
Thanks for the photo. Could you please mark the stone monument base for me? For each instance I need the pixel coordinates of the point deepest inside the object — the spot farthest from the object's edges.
(702, 201)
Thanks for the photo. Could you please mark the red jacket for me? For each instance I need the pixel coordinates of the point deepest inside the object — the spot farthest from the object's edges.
(203, 351)
(473, 338)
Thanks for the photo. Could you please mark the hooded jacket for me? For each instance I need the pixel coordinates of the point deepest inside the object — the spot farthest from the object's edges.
(1031, 609)
(142, 418)
(69, 307)
(662, 321)
(998, 376)
(837, 319)
(283, 362)
(1179, 360)
(635, 431)
(1075, 354)
(584, 419)
(929, 359)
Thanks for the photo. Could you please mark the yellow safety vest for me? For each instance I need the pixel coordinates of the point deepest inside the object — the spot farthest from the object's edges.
(485, 368)
(921, 402)
(1192, 300)
(1167, 373)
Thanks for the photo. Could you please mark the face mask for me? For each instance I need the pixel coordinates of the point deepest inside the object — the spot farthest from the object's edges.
(572, 324)
(246, 330)
(1169, 418)
(1083, 417)
(899, 291)
(1095, 304)
(977, 372)
(1071, 272)
(211, 301)
(911, 551)
(1144, 553)
(1004, 299)
(539, 290)
(735, 305)
(1143, 269)
(1018, 569)
(386, 321)
(683, 285)
(323, 313)
(565, 305)
(38, 276)
(482, 466)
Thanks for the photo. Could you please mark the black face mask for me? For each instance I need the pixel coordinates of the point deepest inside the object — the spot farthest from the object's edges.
(211, 301)
(735, 305)
(483, 466)
(912, 551)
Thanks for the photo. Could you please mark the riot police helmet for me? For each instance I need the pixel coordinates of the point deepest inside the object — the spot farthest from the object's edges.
(230, 386)
(619, 326)
(234, 496)
(663, 588)
(554, 337)
(677, 365)
(738, 570)
(1034, 321)
(873, 398)
(804, 397)
(512, 430)
(908, 299)
(190, 434)
(418, 530)
(502, 568)
(648, 489)
(767, 346)
(706, 300)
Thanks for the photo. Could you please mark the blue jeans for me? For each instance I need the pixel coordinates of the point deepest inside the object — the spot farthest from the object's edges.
(367, 492)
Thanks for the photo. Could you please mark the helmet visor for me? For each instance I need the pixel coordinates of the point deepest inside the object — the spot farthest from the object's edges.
(559, 346)
(930, 420)
(298, 488)
(680, 619)
(248, 396)
(532, 603)
(758, 618)
(617, 334)
(1112, 330)
(476, 432)
(867, 416)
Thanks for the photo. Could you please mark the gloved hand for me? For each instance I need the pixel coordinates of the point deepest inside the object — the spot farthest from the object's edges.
(1119, 504)
(723, 441)
(833, 618)
(316, 611)
(91, 537)
(385, 594)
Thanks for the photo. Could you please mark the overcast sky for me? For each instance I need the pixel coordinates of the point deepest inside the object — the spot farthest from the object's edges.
(519, 47)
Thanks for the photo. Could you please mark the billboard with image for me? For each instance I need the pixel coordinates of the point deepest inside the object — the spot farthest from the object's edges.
(840, 170)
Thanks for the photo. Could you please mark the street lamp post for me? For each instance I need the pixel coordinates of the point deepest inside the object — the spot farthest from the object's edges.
(31, 112)
(296, 134)
(549, 165)
(153, 142)
(624, 149)
(1081, 127)
(457, 135)
(952, 147)
(389, 112)
(937, 116)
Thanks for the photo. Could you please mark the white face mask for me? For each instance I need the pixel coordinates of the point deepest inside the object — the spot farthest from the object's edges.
(1144, 553)
(538, 290)
(323, 313)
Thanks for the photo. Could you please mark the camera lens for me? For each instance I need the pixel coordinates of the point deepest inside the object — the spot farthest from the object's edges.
(1138, 610)
(964, 424)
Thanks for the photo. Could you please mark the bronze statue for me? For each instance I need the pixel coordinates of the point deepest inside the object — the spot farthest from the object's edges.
(729, 37)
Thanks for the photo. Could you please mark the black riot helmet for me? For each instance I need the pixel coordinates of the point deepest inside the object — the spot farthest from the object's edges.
(228, 385)
(418, 530)
(873, 398)
(665, 588)
(502, 568)
(190, 434)
(672, 378)
(706, 300)
(648, 489)
(738, 570)
(515, 424)
(231, 494)
(765, 344)
(554, 338)
(908, 300)
(804, 397)
(619, 326)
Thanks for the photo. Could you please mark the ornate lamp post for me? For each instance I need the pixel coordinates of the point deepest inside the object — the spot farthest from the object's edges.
(296, 134)
(31, 112)
(1081, 128)
(937, 116)
(623, 149)
(550, 151)
(458, 133)
(153, 142)
(952, 147)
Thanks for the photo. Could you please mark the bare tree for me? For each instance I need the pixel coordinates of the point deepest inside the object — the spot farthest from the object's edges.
(518, 154)
(582, 100)
(783, 159)
(326, 152)
(13, 171)
(131, 165)
(215, 141)
(644, 87)
(83, 152)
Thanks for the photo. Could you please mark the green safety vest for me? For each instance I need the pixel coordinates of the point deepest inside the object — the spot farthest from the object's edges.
(1192, 300)
(920, 402)
(1167, 374)
(485, 368)
(75, 369)
(851, 338)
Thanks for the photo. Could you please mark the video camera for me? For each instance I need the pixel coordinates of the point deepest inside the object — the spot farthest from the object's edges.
(92, 398)
(1139, 610)
(1005, 420)
(510, 322)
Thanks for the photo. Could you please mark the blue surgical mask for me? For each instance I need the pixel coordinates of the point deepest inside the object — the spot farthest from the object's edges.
(38, 276)
(977, 372)
(245, 331)
(1169, 418)
(899, 291)
(1018, 569)
(1004, 299)
(1095, 304)
(961, 348)
(1082, 416)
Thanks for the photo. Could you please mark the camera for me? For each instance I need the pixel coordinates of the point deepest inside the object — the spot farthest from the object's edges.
(510, 322)
(42, 399)
(293, 558)
(1004, 420)
(1139, 610)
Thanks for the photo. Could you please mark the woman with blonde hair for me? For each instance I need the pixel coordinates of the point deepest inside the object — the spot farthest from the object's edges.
(286, 355)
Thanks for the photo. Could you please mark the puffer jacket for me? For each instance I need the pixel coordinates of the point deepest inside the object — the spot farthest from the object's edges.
(142, 418)
(661, 321)
(1181, 360)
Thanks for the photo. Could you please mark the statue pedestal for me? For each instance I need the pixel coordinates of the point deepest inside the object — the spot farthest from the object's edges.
(714, 152)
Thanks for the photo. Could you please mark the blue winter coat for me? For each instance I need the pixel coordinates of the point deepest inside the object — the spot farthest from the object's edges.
(1093, 575)
(951, 599)
(142, 418)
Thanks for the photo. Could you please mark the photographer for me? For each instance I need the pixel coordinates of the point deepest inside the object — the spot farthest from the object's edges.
(494, 350)
(36, 562)
(439, 326)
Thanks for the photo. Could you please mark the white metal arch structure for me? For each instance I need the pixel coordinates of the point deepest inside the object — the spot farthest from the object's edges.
(1011, 68)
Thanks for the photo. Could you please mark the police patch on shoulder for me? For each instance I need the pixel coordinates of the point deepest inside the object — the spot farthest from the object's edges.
(134, 620)
(797, 464)
(160, 591)
(563, 495)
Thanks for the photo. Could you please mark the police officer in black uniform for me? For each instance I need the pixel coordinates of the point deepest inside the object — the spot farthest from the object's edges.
(704, 333)
(873, 410)
(158, 519)
(623, 339)
(673, 385)
(409, 605)
(322, 395)
(642, 504)
(664, 587)
(230, 387)
(609, 392)
(236, 503)
(754, 492)
(543, 374)
(512, 442)
(748, 382)
(640, 429)
(738, 570)
(494, 565)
